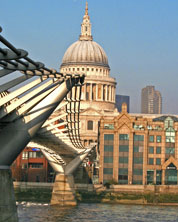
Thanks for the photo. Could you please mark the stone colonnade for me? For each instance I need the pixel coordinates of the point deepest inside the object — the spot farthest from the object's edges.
(98, 92)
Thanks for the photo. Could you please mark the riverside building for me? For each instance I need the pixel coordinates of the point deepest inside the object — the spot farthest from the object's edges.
(139, 149)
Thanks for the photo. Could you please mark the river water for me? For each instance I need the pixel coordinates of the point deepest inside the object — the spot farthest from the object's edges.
(35, 212)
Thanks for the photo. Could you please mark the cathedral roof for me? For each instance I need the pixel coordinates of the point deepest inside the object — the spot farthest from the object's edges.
(85, 51)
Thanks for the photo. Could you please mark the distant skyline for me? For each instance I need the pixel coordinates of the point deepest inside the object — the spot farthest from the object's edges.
(140, 38)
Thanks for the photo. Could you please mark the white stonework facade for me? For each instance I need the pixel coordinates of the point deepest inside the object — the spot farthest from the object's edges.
(98, 93)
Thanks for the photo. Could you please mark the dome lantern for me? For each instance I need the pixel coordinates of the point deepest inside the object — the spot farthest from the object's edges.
(86, 26)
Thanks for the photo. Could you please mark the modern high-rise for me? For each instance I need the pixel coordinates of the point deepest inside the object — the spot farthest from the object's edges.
(151, 101)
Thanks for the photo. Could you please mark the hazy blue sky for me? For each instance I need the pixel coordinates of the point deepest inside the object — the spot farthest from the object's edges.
(140, 38)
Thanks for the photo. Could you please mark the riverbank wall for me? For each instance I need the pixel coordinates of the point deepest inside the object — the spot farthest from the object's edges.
(89, 193)
(100, 188)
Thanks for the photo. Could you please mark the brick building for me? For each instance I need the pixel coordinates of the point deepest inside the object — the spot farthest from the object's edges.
(139, 149)
(32, 166)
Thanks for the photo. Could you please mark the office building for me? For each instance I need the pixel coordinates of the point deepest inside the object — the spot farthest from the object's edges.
(151, 100)
(139, 149)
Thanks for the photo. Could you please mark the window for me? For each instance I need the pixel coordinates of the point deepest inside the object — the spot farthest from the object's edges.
(87, 69)
(170, 135)
(170, 150)
(123, 148)
(108, 148)
(168, 122)
(108, 159)
(109, 126)
(158, 139)
(151, 149)
(158, 161)
(123, 137)
(108, 137)
(123, 159)
(24, 165)
(150, 161)
(151, 138)
(138, 160)
(138, 149)
(36, 165)
(24, 155)
(137, 171)
(78, 69)
(138, 137)
(123, 176)
(108, 170)
(90, 125)
(158, 150)
(150, 176)
(34, 154)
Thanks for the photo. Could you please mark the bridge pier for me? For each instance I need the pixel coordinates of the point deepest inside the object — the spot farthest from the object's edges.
(64, 191)
(8, 209)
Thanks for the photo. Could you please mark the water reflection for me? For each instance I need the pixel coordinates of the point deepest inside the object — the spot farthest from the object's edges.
(29, 212)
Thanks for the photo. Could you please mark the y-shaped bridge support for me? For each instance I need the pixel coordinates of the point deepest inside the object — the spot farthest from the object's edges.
(64, 188)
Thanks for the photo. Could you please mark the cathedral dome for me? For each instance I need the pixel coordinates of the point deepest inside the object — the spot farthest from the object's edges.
(85, 52)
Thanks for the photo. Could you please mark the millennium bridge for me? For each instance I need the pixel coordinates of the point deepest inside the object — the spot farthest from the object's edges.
(39, 107)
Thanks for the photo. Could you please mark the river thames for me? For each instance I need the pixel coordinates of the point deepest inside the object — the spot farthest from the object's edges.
(36, 212)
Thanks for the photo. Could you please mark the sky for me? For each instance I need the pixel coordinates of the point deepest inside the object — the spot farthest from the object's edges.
(140, 38)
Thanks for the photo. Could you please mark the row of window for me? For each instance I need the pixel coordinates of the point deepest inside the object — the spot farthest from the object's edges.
(151, 149)
(85, 69)
(152, 139)
(136, 149)
(140, 137)
(151, 161)
(33, 154)
(32, 165)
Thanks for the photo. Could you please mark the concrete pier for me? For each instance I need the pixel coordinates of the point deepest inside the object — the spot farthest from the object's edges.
(63, 191)
(8, 209)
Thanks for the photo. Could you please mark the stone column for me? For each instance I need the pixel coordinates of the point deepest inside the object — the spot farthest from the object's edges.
(96, 92)
(8, 209)
(114, 93)
(91, 91)
(84, 91)
(115, 156)
(63, 191)
(106, 93)
(110, 98)
(130, 160)
(163, 177)
(102, 92)
(145, 155)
